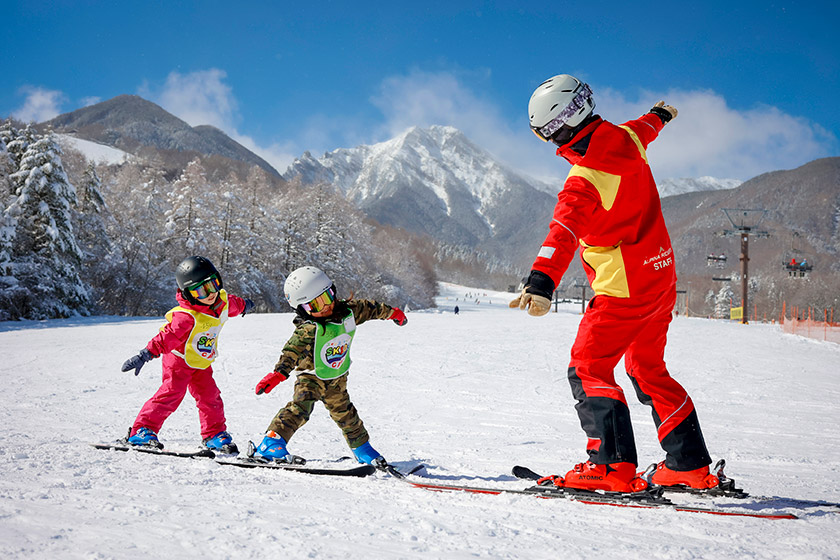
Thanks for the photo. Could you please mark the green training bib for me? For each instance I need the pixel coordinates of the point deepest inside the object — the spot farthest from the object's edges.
(332, 347)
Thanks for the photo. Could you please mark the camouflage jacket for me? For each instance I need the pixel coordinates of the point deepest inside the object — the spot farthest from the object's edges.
(298, 351)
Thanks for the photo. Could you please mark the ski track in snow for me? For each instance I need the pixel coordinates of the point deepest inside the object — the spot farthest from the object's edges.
(469, 395)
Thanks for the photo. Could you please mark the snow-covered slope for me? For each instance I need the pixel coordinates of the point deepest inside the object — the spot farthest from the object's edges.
(94, 152)
(469, 395)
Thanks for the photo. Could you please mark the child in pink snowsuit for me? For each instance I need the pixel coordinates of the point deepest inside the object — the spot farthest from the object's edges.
(188, 344)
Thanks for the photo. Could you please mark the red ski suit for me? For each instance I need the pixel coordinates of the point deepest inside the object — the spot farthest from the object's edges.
(609, 207)
(178, 377)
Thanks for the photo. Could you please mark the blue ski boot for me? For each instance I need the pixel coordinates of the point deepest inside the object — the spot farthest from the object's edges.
(365, 453)
(146, 438)
(273, 448)
(221, 443)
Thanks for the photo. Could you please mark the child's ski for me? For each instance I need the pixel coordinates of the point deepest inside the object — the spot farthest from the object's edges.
(250, 463)
(121, 446)
(392, 470)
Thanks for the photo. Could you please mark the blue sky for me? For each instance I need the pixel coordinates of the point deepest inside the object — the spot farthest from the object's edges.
(757, 84)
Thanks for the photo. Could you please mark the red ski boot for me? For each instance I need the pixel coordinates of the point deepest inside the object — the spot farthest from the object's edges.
(698, 478)
(615, 477)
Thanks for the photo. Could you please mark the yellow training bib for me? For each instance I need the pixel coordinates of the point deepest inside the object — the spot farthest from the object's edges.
(202, 345)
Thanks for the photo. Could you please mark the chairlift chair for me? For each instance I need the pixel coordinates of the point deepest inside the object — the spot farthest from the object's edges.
(717, 261)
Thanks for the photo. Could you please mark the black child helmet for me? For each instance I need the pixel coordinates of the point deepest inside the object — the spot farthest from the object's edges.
(194, 271)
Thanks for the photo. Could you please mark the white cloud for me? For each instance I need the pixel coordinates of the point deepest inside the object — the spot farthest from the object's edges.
(442, 98)
(40, 104)
(200, 98)
(708, 137)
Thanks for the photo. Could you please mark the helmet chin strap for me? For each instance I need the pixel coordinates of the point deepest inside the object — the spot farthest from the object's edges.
(562, 136)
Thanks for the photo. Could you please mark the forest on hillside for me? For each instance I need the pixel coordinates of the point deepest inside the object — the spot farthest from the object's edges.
(78, 238)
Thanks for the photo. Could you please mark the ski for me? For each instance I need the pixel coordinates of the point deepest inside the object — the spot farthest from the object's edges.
(122, 446)
(647, 499)
(726, 490)
(393, 471)
(251, 463)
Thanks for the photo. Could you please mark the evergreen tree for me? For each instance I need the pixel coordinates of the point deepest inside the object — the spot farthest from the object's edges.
(7, 165)
(7, 223)
(722, 301)
(45, 258)
(101, 260)
(17, 141)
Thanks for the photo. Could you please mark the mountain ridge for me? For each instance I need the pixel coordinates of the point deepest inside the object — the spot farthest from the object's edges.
(132, 124)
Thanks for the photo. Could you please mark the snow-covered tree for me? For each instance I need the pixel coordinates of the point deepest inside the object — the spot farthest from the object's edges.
(99, 256)
(142, 282)
(722, 301)
(7, 223)
(259, 218)
(183, 218)
(17, 141)
(407, 269)
(45, 259)
(7, 166)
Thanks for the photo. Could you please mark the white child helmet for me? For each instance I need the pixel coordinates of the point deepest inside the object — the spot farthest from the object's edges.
(305, 284)
(559, 101)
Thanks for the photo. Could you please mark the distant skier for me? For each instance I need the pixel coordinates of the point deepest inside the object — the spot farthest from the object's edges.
(188, 343)
(319, 349)
(609, 206)
(457, 310)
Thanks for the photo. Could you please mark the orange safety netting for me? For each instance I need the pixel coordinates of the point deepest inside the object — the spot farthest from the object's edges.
(806, 322)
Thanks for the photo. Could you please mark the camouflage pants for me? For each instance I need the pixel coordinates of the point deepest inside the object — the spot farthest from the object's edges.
(309, 389)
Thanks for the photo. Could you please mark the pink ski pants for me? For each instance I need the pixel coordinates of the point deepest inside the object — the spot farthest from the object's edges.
(178, 377)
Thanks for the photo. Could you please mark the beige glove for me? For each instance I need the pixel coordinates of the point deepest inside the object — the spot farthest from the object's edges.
(536, 305)
(669, 108)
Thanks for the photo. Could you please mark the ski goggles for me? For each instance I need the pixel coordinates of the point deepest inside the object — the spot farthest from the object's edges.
(582, 95)
(205, 288)
(321, 302)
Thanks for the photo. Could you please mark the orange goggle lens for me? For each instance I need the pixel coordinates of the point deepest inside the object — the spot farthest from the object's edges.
(538, 135)
(320, 303)
(209, 286)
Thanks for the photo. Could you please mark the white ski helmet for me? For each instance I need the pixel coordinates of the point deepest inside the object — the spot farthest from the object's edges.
(305, 284)
(559, 101)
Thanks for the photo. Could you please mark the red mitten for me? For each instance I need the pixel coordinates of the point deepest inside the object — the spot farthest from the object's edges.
(398, 317)
(270, 381)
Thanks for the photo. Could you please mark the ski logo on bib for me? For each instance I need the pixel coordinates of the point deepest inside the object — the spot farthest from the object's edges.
(205, 344)
(335, 351)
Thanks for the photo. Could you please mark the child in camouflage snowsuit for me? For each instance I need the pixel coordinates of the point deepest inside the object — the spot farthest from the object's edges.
(319, 349)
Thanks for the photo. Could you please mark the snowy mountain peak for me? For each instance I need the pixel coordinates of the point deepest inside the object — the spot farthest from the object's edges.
(670, 187)
(432, 180)
(435, 134)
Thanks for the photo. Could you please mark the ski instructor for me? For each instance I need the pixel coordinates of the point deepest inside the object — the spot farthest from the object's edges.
(609, 206)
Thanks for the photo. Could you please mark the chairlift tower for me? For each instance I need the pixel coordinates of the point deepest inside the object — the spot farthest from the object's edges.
(744, 223)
